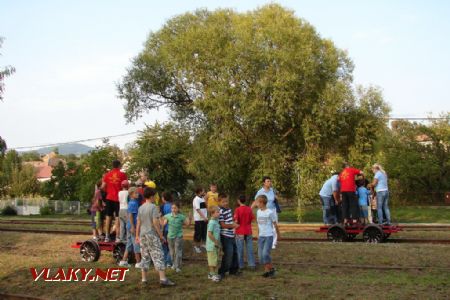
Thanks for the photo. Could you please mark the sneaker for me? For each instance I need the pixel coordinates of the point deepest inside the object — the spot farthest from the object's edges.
(203, 246)
(118, 240)
(124, 263)
(138, 265)
(96, 238)
(211, 276)
(107, 239)
(166, 282)
(271, 273)
(216, 278)
(197, 250)
(178, 270)
(143, 282)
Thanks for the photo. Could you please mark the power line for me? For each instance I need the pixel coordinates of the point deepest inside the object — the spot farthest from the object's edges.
(135, 132)
(77, 141)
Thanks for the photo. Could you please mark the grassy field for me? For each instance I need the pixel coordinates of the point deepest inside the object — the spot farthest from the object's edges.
(305, 271)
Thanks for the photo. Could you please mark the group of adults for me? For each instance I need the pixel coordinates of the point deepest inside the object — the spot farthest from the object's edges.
(339, 199)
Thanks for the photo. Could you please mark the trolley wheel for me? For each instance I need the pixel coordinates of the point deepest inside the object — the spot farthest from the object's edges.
(89, 251)
(351, 236)
(373, 234)
(118, 251)
(336, 234)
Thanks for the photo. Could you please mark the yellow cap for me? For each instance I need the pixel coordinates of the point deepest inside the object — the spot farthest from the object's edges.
(151, 184)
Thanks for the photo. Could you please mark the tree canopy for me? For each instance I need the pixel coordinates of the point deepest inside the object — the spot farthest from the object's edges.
(255, 90)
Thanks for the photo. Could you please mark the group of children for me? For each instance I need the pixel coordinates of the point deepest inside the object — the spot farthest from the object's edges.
(155, 234)
(232, 233)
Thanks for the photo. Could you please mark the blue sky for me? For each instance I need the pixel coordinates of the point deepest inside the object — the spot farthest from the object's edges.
(69, 55)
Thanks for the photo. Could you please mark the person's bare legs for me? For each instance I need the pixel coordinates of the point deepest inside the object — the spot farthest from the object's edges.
(108, 224)
(117, 224)
(162, 275)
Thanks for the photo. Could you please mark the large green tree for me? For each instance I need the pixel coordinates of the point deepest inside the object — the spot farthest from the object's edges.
(256, 90)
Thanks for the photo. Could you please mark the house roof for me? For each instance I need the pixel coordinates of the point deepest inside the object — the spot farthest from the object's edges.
(423, 138)
(44, 171)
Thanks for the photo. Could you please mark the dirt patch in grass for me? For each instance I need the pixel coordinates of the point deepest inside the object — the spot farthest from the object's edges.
(305, 271)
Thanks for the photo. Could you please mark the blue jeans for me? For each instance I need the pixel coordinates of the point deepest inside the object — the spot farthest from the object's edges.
(166, 251)
(230, 257)
(248, 240)
(382, 207)
(132, 246)
(264, 247)
(328, 213)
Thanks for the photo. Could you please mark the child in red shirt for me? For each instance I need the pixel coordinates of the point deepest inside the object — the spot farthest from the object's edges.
(243, 216)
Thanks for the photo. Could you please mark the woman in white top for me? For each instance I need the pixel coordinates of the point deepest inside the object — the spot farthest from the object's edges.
(380, 183)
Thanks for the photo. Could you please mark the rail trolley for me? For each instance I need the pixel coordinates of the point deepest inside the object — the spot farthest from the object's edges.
(371, 233)
(90, 250)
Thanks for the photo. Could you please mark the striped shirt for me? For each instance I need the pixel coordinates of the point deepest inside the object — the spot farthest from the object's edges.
(226, 216)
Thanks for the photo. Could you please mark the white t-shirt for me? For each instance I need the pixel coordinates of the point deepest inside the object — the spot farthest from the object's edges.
(199, 203)
(123, 199)
(265, 219)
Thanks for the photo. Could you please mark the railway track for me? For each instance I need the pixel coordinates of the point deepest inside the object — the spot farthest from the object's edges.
(284, 227)
(189, 237)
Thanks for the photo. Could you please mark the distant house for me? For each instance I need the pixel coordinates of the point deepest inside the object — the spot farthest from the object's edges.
(45, 167)
(424, 139)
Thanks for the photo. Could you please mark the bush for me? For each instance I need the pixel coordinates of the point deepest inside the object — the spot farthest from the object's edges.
(9, 211)
(46, 210)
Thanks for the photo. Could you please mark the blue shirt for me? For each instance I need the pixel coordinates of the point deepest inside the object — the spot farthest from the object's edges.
(363, 196)
(166, 208)
(133, 208)
(382, 184)
(330, 186)
(270, 197)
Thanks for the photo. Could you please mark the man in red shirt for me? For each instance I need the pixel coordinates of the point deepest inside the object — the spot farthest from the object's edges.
(111, 184)
(350, 205)
(243, 216)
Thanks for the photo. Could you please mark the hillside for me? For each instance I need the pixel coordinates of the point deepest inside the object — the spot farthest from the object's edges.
(65, 149)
